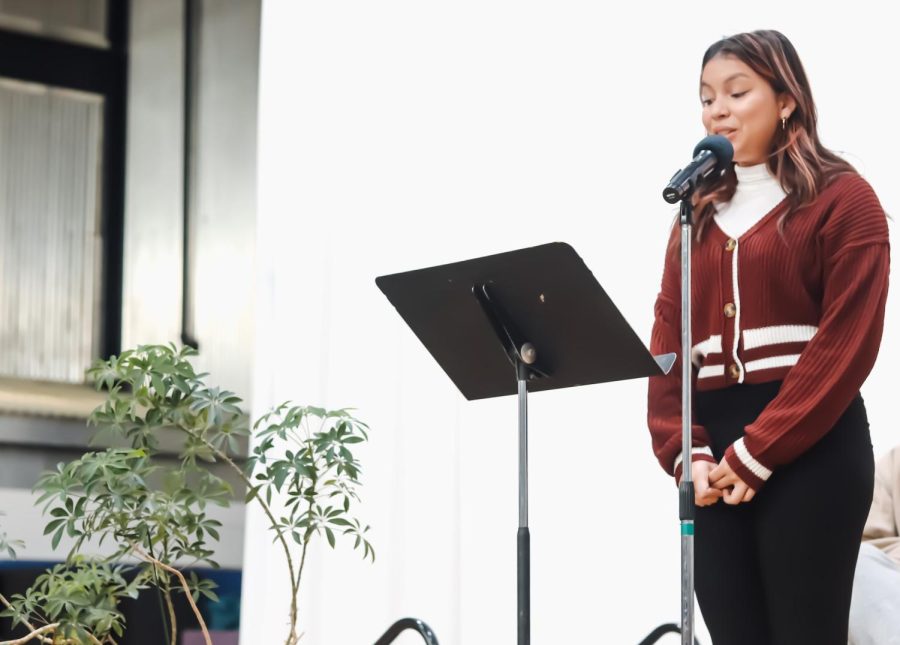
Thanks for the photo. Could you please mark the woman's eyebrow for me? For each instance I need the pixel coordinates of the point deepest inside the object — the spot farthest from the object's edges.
(730, 78)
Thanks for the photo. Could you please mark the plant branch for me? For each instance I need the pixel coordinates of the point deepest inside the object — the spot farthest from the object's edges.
(173, 638)
(159, 597)
(268, 511)
(302, 560)
(36, 633)
(184, 585)
(6, 603)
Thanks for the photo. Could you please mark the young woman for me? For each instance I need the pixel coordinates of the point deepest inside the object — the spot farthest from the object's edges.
(790, 271)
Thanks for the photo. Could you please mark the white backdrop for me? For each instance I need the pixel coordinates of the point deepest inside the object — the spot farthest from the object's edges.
(398, 134)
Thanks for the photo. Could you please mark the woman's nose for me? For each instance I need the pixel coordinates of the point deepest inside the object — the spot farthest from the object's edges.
(719, 108)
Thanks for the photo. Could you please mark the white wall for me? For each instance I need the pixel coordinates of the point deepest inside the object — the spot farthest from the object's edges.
(396, 135)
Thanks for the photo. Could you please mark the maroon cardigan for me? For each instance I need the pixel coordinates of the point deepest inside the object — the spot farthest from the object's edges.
(805, 307)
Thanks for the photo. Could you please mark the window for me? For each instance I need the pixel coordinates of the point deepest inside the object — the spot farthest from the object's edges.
(62, 107)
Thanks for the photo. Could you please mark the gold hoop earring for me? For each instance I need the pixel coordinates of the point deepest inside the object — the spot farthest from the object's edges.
(783, 122)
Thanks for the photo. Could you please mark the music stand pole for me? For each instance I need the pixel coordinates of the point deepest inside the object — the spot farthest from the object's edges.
(523, 537)
(522, 354)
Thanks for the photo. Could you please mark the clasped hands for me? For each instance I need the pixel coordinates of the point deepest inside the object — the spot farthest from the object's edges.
(712, 481)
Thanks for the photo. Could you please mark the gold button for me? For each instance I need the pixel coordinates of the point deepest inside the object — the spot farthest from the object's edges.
(730, 244)
(733, 371)
(730, 310)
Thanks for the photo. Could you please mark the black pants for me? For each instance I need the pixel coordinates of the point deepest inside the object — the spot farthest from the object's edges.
(778, 570)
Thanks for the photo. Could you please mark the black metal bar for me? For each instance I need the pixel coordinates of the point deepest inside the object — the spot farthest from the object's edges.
(662, 630)
(188, 333)
(60, 64)
(511, 339)
(404, 624)
(523, 580)
(114, 155)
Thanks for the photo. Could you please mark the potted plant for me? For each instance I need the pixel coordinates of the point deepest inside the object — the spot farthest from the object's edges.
(156, 515)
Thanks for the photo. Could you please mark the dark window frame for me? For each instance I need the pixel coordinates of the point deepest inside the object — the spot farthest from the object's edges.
(103, 71)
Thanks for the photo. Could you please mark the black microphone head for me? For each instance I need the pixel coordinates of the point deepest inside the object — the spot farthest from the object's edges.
(721, 149)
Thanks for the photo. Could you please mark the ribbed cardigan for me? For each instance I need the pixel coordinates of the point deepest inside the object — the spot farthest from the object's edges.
(805, 306)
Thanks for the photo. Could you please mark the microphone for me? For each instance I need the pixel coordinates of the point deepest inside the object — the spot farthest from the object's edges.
(711, 157)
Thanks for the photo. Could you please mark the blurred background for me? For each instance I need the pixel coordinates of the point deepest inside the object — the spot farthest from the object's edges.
(127, 215)
(234, 174)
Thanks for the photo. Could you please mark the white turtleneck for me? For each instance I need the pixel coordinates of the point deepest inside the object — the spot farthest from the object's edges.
(757, 193)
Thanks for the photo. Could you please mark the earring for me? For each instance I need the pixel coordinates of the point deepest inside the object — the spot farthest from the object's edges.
(783, 122)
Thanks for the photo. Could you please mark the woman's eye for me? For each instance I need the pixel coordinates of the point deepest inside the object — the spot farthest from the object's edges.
(705, 101)
(739, 94)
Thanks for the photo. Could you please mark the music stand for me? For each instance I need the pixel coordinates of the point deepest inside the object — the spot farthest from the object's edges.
(533, 319)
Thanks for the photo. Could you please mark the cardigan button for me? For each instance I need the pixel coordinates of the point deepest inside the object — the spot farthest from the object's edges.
(733, 371)
(730, 310)
(730, 244)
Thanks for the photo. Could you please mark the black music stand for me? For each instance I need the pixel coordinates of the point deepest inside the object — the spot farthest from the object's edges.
(534, 319)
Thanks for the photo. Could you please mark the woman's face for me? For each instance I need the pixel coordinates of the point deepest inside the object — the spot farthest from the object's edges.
(740, 104)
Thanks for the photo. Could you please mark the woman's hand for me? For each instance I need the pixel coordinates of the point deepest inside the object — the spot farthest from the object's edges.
(704, 494)
(733, 488)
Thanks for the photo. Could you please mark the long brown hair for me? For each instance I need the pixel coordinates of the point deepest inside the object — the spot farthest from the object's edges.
(797, 158)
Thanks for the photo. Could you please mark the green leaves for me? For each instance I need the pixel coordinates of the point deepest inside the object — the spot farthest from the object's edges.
(107, 495)
(8, 545)
(155, 387)
(201, 587)
(305, 453)
(216, 406)
(82, 595)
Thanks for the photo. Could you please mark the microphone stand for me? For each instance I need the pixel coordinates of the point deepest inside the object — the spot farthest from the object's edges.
(681, 187)
(686, 488)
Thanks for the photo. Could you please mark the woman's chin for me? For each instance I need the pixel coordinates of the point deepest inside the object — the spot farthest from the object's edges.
(742, 160)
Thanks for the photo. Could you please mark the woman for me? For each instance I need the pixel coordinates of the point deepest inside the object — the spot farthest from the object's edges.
(791, 270)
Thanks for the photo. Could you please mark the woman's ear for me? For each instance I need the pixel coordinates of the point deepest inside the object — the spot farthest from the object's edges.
(786, 105)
